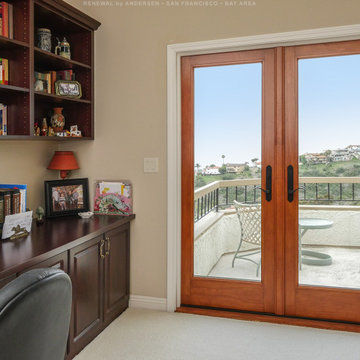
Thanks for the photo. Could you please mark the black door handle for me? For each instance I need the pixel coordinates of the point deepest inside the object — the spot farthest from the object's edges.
(290, 178)
(268, 190)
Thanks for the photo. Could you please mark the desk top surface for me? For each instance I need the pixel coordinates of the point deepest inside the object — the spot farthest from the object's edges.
(53, 237)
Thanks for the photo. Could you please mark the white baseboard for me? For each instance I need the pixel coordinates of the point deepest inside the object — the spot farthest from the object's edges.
(147, 302)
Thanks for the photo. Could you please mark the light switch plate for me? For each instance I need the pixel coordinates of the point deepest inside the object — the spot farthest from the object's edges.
(151, 165)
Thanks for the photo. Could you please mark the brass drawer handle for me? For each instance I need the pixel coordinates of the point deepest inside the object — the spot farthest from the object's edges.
(102, 243)
(108, 246)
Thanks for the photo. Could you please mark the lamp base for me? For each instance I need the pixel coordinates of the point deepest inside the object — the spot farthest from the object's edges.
(64, 174)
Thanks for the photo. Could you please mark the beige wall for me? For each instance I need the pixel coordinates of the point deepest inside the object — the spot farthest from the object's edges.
(25, 162)
(131, 104)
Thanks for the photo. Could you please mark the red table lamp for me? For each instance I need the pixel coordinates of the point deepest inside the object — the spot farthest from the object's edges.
(63, 161)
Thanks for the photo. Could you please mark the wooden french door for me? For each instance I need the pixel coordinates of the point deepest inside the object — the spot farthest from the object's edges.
(258, 293)
(310, 233)
(322, 114)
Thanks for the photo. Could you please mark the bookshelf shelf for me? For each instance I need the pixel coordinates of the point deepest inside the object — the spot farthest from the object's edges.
(46, 60)
(56, 99)
(13, 89)
(6, 43)
(25, 106)
(14, 137)
(42, 138)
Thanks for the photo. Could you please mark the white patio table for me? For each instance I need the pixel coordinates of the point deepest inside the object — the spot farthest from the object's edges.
(313, 257)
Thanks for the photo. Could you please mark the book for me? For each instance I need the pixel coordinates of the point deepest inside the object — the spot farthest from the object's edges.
(23, 193)
(1, 19)
(1, 208)
(5, 24)
(11, 21)
(3, 119)
(15, 201)
(7, 201)
(4, 71)
(5, 115)
(113, 198)
(6, 20)
(53, 81)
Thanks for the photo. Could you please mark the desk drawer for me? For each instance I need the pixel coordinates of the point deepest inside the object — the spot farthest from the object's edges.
(57, 262)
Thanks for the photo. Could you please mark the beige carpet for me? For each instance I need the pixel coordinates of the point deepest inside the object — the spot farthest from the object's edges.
(152, 335)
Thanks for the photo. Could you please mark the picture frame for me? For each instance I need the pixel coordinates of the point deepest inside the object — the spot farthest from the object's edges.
(41, 85)
(68, 88)
(66, 197)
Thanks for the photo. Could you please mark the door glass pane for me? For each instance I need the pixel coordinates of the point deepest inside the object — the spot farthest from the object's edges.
(227, 168)
(329, 171)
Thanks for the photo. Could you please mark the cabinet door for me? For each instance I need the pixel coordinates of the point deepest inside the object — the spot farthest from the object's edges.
(116, 272)
(86, 271)
(56, 262)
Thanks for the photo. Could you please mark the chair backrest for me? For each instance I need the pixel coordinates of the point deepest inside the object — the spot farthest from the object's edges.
(35, 313)
(249, 216)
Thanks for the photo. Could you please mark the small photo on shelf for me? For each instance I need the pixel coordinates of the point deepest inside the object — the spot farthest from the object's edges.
(68, 88)
(113, 198)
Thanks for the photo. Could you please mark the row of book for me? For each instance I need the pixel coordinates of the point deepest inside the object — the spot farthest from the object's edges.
(6, 20)
(4, 71)
(3, 119)
(12, 200)
(46, 81)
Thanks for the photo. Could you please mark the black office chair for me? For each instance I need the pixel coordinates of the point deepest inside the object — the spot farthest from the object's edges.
(35, 313)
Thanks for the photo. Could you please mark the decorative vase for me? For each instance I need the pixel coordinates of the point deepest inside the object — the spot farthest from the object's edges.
(57, 120)
(44, 39)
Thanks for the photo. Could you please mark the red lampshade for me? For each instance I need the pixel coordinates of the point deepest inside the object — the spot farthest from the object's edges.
(63, 161)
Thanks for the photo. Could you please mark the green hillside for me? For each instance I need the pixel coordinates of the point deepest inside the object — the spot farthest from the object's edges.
(332, 169)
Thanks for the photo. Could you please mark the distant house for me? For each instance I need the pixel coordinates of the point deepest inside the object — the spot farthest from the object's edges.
(234, 168)
(341, 155)
(353, 148)
(211, 170)
(316, 158)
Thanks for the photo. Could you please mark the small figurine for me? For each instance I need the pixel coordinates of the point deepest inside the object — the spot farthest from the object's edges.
(40, 215)
(63, 49)
(51, 131)
(44, 127)
(36, 129)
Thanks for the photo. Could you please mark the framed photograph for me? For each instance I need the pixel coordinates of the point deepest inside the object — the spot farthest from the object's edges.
(66, 197)
(41, 85)
(68, 88)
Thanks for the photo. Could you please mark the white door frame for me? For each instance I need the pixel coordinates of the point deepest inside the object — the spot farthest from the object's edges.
(174, 54)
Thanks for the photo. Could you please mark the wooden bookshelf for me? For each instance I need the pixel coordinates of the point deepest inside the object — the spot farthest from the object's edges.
(27, 106)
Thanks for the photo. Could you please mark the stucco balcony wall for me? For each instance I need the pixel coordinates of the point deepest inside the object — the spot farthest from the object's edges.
(218, 233)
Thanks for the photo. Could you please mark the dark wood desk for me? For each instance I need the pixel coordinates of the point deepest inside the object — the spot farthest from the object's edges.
(94, 252)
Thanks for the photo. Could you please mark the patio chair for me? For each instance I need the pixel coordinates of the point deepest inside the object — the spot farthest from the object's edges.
(249, 216)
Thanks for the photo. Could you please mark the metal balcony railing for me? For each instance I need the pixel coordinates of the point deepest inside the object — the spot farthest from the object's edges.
(313, 190)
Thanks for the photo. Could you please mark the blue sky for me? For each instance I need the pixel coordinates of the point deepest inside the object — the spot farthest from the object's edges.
(228, 108)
